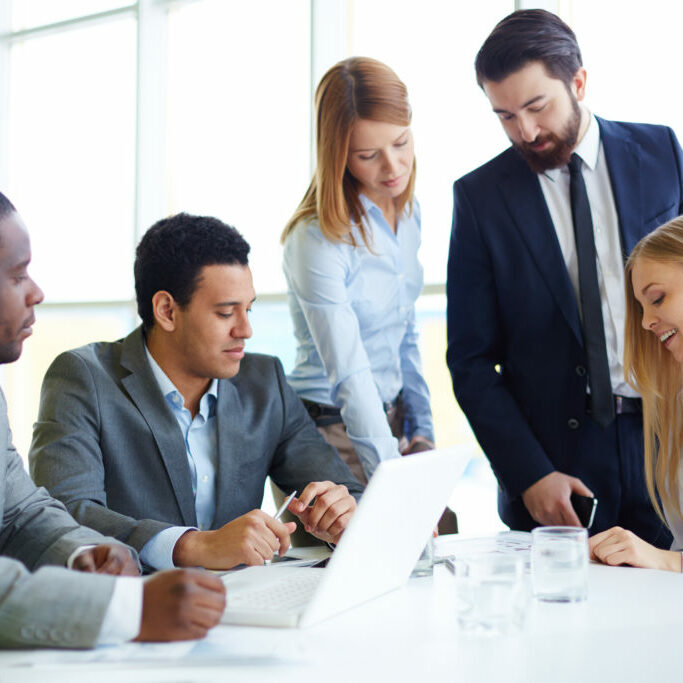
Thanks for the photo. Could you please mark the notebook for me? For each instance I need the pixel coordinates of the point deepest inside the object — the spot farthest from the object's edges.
(376, 554)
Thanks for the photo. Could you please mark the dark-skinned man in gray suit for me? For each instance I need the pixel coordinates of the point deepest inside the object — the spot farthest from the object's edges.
(55, 607)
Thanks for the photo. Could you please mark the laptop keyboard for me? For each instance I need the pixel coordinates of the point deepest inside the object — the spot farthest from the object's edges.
(286, 594)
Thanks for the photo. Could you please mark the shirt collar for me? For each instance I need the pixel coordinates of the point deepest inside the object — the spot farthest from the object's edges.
(588, 149)
(373, 210)
(368, 205)
(168, 389)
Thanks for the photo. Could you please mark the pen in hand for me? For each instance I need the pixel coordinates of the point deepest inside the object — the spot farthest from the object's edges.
(281, 509)
(284, 505)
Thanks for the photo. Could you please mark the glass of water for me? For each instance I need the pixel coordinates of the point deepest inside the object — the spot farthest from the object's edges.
(492, 593)
(559, 563)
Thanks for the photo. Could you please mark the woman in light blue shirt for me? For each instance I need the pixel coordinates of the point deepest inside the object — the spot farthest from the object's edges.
(350, 259)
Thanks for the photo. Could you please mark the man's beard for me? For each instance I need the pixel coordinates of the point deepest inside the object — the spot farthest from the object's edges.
(561, 148)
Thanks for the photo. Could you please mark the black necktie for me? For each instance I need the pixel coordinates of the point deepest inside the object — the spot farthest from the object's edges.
(602, 402)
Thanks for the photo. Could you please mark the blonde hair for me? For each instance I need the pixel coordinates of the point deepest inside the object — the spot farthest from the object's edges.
(656, 375)
(355, 88)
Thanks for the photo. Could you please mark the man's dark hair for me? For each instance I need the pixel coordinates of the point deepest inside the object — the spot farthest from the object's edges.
(529, 35)
(172, 253)
(6, 206)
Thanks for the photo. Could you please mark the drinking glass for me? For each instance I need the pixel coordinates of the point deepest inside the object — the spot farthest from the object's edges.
(559, 563)
(492, 593)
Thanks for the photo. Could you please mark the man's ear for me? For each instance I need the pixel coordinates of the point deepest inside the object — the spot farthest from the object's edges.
(578, 84)
(165, 310)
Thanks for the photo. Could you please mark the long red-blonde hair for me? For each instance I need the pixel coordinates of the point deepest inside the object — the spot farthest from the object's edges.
(355, 88)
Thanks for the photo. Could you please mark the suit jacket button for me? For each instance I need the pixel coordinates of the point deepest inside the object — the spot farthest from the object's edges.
(573, 423)
(580, 370)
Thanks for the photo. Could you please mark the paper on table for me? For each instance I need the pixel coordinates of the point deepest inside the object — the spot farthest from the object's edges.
(503, 542)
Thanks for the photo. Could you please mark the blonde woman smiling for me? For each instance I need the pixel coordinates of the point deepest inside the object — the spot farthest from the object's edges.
(653, 361)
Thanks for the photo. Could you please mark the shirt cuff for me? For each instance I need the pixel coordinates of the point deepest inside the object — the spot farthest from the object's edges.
(157, 553)
(124, 613)
(76, 553)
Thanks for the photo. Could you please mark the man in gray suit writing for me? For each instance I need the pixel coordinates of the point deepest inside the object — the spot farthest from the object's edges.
(164, 439)
(55, 607)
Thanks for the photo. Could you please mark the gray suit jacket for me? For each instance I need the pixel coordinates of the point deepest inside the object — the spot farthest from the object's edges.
(107, 444)
(53, 607)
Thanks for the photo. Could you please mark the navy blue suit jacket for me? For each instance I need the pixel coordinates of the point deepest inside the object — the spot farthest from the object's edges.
(515, 348)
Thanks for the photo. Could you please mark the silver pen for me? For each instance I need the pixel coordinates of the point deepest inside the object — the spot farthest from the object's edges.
(278, 514)
(284, 505)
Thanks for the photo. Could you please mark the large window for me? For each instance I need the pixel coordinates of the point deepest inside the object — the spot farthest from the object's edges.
(27, 14)
(118, 113)
(239, 118)
(72, 157)
(115, 113)
(431, 46)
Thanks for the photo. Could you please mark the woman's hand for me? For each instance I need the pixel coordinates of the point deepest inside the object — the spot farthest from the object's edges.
(619, 546)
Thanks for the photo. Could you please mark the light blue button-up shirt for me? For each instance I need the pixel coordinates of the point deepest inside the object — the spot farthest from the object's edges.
(201, 444)
(354, 319)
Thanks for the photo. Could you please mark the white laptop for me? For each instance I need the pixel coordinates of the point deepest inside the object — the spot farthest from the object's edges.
(376, 554)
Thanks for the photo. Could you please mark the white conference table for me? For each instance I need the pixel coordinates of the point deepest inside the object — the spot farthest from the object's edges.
(628, 630)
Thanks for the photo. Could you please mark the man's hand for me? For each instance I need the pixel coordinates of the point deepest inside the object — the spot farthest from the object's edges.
(619, 546)
(548, 499)
(329, 515)
(180, 604)
(250, 539)
(107, 558)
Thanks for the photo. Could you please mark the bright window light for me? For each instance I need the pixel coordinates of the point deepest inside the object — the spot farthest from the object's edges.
(431, 46)
(239, 119)
(30, 13)
(72, 157)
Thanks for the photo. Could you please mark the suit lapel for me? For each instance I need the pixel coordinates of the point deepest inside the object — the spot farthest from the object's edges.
(525, 202)
(623, 164)
(145, 394)
(231, 444)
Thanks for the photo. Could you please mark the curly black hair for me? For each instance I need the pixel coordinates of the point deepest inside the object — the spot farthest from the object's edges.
(172, 253)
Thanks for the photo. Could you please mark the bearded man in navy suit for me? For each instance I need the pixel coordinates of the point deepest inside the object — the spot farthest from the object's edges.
(540, 381)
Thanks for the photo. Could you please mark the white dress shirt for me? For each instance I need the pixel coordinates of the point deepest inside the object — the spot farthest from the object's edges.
(124, 613)
(609, 253)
